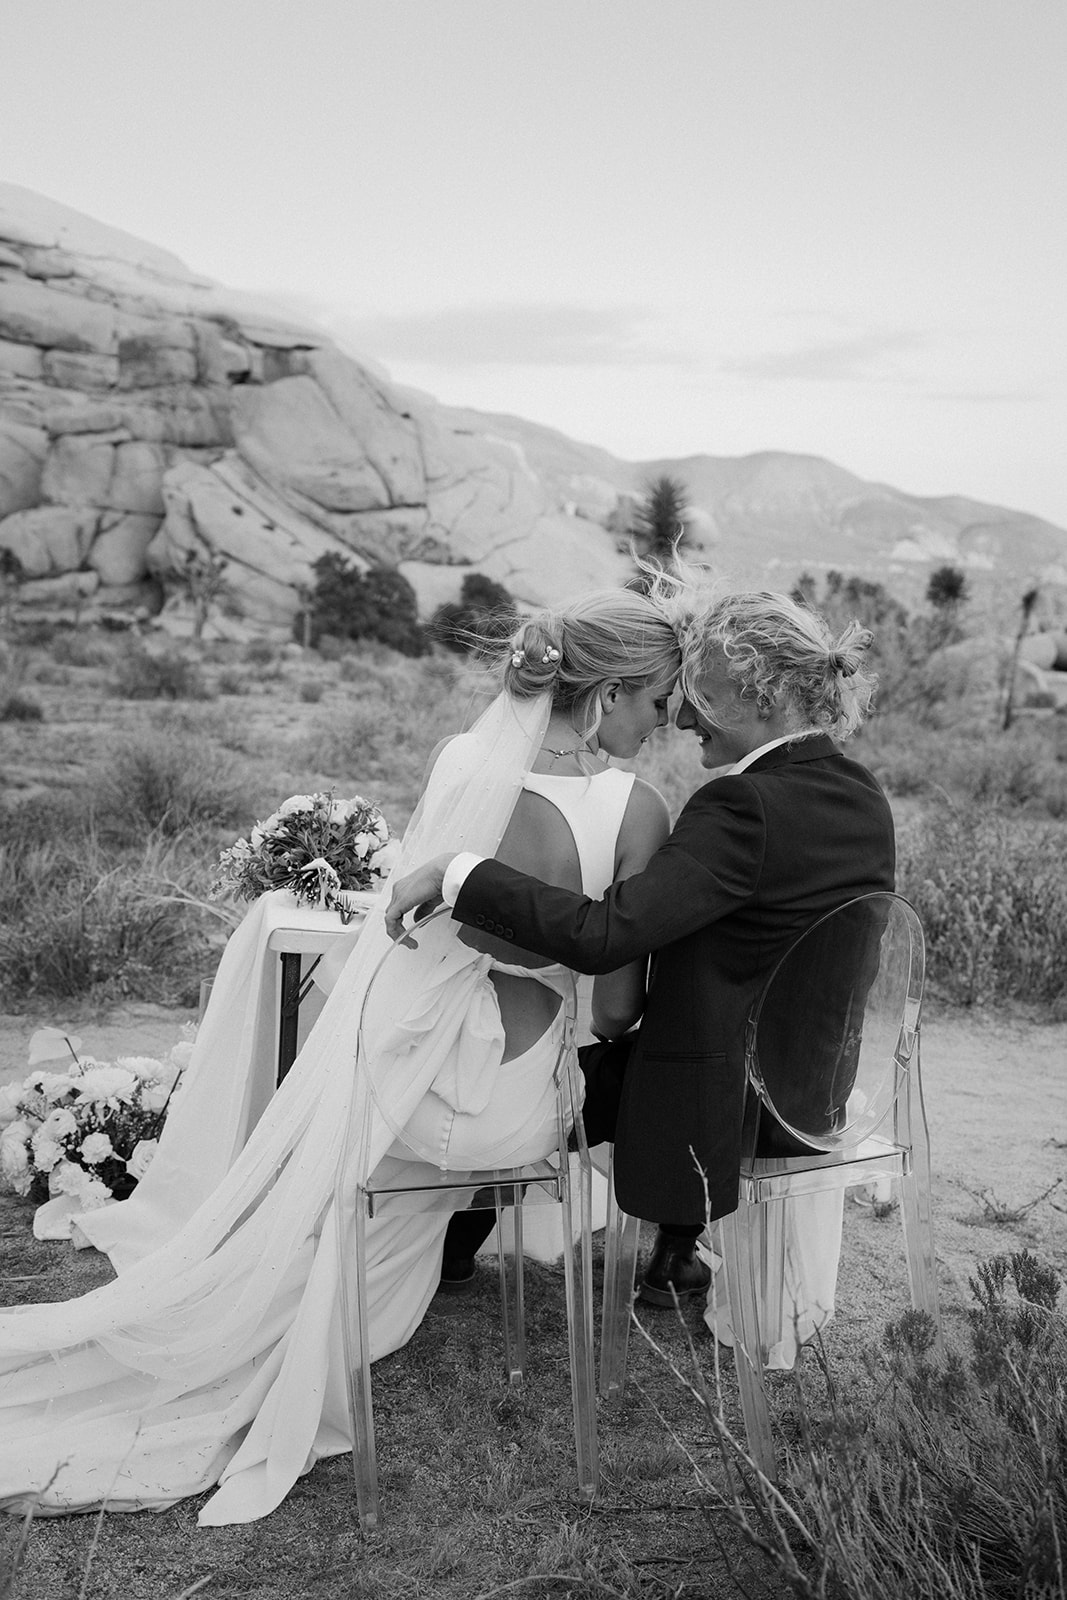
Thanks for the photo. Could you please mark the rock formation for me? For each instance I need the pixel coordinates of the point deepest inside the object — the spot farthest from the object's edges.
(148, 418)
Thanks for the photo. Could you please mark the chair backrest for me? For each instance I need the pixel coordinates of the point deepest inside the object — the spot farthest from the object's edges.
(831, 1037)
(431, 1000)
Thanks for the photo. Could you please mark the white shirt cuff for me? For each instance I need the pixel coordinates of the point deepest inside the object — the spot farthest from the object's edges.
(456, 874)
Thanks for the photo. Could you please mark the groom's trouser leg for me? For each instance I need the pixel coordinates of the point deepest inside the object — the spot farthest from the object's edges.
(603, 1065)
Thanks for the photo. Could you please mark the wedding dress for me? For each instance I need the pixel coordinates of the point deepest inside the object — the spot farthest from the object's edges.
(215, 1357)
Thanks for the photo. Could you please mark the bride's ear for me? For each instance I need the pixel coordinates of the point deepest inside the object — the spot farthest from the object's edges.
(609, 695)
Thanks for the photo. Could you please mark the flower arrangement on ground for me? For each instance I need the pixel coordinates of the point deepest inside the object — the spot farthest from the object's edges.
(315, 846)
(82, 1127)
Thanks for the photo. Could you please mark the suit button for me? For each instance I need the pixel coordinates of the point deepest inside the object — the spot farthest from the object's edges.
(480, 920)
(509, 933)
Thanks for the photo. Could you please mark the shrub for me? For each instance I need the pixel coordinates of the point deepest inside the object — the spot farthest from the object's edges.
(992, 895)
(141, 675)
(950, 1483)
(484, 614)
(261, 652)
(311, 692)
(232, 681)
(82, 649)
(166, 781)
(376, 604)
(76, 922)
(19, 707)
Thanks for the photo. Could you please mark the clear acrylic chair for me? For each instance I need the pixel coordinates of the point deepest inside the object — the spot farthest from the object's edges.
(833, 1099)
(550, 1180)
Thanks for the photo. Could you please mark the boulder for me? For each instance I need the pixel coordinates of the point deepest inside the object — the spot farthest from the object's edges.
(77, 369)
(372, 414)
(22, 453)
(49, 539)
(33, 313)
(143, 364)
(20, 360)
(79, 467)
(119, 552)
(68, 590)
(137, 479)
(290, 434)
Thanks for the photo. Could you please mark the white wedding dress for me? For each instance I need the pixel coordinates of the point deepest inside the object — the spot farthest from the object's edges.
(215, 1357)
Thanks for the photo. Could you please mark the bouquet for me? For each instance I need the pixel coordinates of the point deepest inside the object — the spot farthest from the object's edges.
(314, 846)
(81, 1127)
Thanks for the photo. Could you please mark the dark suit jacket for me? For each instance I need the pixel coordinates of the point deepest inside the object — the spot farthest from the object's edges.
(753, 861)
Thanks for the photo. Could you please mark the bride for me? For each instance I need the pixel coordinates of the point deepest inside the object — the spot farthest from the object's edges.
(215, 1357)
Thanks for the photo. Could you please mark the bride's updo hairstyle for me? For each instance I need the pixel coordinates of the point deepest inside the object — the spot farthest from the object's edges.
(777, 650)
(616, 635)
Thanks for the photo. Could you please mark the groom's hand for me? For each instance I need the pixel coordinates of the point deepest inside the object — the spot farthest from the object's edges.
(418, 890)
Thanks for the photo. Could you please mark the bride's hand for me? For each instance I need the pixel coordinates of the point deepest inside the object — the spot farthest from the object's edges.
(419, 890)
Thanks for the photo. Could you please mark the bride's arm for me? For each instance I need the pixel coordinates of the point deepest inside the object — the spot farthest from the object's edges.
(619, 996)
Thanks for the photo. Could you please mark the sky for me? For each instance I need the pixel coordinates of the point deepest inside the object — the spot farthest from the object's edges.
(666, 227)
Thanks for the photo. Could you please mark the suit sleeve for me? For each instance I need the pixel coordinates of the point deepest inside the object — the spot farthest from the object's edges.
(710, 864)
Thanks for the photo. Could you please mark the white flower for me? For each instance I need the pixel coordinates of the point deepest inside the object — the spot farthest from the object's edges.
(296, 803)
(106, 1083)
(69, 1178)
(362, 843)
(155, 1096)
(143, 1067)
(10, 1097)
(46, 1152)
(96, 1148)
(141, 1159)
(59, 1124)
(180, 1054)
(340, 811)
(53, 1085)
(385, 859)
(52, 1044)
(14, 1157)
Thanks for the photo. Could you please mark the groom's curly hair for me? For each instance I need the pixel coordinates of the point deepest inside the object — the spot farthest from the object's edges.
(777, 650)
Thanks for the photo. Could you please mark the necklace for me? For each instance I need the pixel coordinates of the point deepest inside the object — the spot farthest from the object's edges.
(559, 754)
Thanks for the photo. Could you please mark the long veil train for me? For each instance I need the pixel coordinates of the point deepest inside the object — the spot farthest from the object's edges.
(218, 1354)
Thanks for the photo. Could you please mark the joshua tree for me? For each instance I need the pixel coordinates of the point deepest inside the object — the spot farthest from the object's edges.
(947, 589)
(1026, 606)
(659, 524)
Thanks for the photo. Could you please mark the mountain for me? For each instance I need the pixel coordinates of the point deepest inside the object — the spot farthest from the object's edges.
(153, 423)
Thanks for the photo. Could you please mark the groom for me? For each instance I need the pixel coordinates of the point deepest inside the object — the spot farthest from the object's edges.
(790, 830)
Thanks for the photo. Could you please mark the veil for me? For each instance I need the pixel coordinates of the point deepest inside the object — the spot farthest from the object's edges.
(203, 1360)
(466, 805)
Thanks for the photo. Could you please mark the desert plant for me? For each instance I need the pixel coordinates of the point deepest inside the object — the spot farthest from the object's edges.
(143, 675)
(165, 780)
(78, 921)
(945, 1480)
(20, 707)
(484, 614)
(992, 895)
(658, 528)
(376, 604)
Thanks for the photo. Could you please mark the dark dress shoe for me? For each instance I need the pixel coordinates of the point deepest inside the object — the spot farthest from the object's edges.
(457, 1274)
(674, 1270)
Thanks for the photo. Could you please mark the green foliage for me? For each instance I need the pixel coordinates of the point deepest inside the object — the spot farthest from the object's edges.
(79, 921)
(165, 781)
(376, 604)
(20, 707)
(143, 675)
(658, 525)
(947, 588)
(992, 895)
(484, 614)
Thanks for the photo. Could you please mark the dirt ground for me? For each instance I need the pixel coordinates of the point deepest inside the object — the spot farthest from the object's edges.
(996, 1098)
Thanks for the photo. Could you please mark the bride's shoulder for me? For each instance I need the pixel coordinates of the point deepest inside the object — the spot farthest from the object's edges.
(646, 809)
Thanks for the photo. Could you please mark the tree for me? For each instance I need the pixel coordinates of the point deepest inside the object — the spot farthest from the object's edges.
(659, 521)
(377, 604)
(485, 612)
(203, 576)
(947, 589)
(1026, 606)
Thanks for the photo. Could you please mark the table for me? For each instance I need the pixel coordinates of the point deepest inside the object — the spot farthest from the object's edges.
(295, 933)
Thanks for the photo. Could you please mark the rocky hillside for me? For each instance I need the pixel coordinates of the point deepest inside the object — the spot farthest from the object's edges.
(150, 420)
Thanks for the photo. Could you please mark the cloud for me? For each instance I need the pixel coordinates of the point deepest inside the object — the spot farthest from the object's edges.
(858, 358)
(514, 335)
(990, 397)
